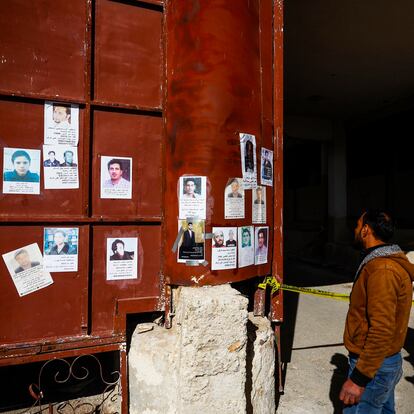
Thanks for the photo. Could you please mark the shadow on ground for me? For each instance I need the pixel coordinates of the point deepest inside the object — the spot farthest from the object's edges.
(302, 274)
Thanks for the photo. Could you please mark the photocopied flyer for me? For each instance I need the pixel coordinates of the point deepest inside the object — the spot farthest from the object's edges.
(60, 249)
(234, 201)
(116, 177)
(224, 248)
(192, 197)
(60, 166)
(191, 244)
(259, 205)
(248, 160)
(121, 258)
(246, 246)
(21, 171)
(25, 266)
(61, 124)
(261, 237)
(267, 167)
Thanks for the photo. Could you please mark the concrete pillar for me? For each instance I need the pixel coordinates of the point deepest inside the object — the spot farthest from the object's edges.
(337, 186)
(199, 365)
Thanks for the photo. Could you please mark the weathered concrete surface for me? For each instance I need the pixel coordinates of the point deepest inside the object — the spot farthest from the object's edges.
(197, 366)
(260, 382)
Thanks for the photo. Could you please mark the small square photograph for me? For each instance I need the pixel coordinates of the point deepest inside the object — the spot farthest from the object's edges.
(121, 258)
(25, 266)
(234, 204)
(61, 123)
(192, 197)
(261, 244)
(60, 249)
(116, 177)
(21, 171)
(267, 167)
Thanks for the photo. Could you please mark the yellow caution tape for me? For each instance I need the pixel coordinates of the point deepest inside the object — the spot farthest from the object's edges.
(275, 286)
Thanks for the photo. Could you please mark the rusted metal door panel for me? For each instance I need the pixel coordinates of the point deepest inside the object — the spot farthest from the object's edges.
(214, 62)
(56, 311)
(277, 300)
(42, 48)
(128, 53)
(106, 293)
(138, 136)
(21, 126)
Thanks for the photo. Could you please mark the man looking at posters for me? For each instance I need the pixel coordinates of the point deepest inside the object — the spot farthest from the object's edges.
(189, 189)
(61, 115)
(116, 171)
(21, 162)
(68, 156)
(52, 161)
(377, 319)
(23, 259)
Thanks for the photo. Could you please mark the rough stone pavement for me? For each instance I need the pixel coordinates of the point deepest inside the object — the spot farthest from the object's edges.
(315, 359)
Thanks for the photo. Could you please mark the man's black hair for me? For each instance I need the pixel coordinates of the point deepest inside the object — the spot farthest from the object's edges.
(115, 243)
(381, 223)
(116, 161)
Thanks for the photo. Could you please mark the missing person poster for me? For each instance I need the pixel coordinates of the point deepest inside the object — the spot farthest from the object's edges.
(21, 171)
(121, 258)
(116, 177)
(61, 124)
(234, 199)
(60, 249)
(261, 240)
(267, 167)
(60, 167)
(246, 246)
(259, 205)
(191, 244)
(248, 160)
(224, 248)
(25, 266)
(192, 197)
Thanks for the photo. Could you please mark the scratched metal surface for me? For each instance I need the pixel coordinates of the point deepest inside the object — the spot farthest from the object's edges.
(55, 311)
(42, 48)
(215, 89)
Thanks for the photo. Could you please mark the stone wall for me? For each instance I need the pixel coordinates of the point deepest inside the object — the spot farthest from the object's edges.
(206, 362)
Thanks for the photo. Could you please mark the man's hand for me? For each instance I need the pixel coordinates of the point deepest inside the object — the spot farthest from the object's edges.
(350, 392)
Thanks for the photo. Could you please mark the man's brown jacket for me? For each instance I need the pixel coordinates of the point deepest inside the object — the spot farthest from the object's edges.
(380, 304)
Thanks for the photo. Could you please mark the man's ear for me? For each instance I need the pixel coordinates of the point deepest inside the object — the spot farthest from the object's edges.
(366, 230)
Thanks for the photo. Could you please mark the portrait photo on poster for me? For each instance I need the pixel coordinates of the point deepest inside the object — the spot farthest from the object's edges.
(261, 243)
(60, 167)
(61, 123)
(192, 197)
(60, 249)
(259, 205)
(224, 248)
(266, 167)
(248, 160)
(116, 177)
(25, 266)
(191, 244)
(246, 246)
(21, 171)
(121, 258)
(234, 201)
